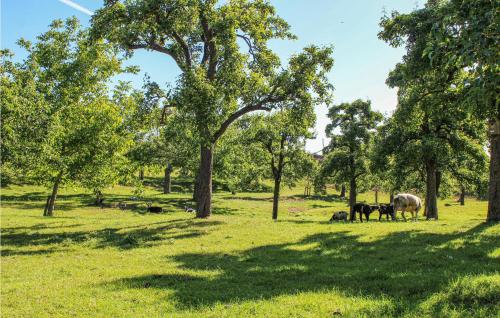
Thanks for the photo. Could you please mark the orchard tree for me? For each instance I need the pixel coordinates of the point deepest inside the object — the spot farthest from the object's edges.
(176, 148)
(468, 171)
(227, 68)
(282, 135)
(351, 131)
(394, 170)
(432, 142)
(14, 92)
(68, 130)
(241, 163)
(449, 38)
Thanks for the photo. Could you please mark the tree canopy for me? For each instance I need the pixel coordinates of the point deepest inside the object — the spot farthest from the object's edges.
(66, 128)
(227, 68)
(351, 131)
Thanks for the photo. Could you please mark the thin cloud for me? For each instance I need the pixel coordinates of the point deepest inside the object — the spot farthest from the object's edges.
(76, 6)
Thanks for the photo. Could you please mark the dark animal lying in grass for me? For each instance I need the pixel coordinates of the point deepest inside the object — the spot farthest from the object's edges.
(339, 216)
(189, 210)
(122, 205)
(388, 210)
(362, 208)
(154, 209)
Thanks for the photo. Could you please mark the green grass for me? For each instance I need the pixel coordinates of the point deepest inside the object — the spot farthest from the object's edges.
(92, 262)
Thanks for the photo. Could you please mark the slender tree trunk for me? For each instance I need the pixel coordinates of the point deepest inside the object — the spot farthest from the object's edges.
(438, 181)
(204, 195)
(342, 191)
(98, 197)
(391, 197)
(167, 181)
(46, 205)
(195, 188)
(494, 184)
(352, 198)
(49, 211)
(276, 196)
(430, 196)
(462, 196)
(376, 196)
(141, 174)
(426, 200)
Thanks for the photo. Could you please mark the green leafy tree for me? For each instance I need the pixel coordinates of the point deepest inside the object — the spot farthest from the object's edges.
(68, 130)
(468, 171)
(351, 129)
(432, 99)
(227, 69)
(444, 40)
(14, 92)
(176, 148)
(282, 135)
(241, 164)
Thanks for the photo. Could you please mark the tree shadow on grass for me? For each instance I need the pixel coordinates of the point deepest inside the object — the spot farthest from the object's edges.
(405, 267)
(123, 238)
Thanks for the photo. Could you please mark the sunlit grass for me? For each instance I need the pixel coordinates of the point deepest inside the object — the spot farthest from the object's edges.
(92, 262)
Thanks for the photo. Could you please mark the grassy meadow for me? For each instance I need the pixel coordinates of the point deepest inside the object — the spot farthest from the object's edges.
(93, 262)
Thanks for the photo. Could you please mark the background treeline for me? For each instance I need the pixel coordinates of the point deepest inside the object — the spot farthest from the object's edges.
(239, 116)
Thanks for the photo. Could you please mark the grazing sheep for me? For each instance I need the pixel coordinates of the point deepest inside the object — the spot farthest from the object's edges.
(407, 203)
(361, 208)
(189, 210)
(154, 209)
(388, 210)
(339, 216)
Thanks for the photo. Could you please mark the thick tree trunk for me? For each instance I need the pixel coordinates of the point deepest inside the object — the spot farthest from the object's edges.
(204, 195)
(276, 197)
(167, 180)
(431, 210)
(494, 184)
(352, 198)
(49, 209)
(342, 191)
(462, 196)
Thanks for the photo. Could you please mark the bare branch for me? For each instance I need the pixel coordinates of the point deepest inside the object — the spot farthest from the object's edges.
(237, 114)
(249, 43)
(184, 46)
(159, 48)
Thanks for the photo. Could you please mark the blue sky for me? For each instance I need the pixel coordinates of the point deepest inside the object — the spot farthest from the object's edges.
(362, 61)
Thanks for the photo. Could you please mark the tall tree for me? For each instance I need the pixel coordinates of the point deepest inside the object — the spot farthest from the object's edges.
(351, 131)
(220, 81)
(68, 129)
(283, 135)
(449, 38)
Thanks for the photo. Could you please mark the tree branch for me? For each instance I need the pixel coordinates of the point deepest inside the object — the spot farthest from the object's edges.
(270, 98)
(210, 51)
(235, 116)
(184, 46)
(249, 43)
(157, 47)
